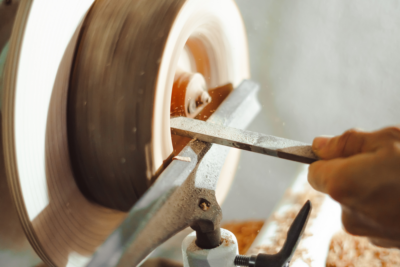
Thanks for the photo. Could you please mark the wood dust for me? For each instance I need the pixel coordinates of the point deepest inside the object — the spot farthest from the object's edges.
(227, 241)
(186, 159)
(245, 233)
(353, 251)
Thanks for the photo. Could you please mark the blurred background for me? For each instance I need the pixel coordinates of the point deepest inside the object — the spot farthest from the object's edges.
(324, 67)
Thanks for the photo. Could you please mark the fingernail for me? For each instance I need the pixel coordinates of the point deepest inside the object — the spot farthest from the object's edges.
(320, 142)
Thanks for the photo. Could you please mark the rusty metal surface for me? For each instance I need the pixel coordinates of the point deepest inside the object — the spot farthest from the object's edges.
(246, 140)
(172, 203)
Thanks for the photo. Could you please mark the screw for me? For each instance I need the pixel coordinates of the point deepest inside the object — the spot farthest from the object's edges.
(204, 204)
(241, 260)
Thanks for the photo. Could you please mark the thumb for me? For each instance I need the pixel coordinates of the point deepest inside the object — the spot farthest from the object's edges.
(353, 142)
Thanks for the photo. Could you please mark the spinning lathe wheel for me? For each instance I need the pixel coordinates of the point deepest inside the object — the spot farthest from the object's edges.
(89, 89)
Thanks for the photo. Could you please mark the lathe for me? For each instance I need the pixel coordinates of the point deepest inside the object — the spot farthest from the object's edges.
(117, 118)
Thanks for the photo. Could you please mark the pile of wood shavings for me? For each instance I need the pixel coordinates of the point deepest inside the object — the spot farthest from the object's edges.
(245, 233)
(285, 219)
(352, 251)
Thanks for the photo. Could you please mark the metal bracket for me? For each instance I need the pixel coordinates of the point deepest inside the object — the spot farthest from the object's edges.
(173, 203)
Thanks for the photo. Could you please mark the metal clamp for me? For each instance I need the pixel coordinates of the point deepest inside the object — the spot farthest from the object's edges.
(175, 200)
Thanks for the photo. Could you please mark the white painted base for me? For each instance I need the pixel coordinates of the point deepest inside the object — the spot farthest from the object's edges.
(222, 256)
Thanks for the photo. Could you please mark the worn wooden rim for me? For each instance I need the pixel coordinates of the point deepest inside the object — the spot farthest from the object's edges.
(61, 224)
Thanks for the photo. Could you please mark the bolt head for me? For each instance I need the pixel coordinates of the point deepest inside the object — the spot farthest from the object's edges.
(204, 204)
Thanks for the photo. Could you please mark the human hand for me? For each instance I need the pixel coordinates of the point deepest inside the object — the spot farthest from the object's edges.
(361, 170)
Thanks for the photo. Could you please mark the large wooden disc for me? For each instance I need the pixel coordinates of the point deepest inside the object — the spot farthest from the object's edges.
(120, 92)
(63, 225)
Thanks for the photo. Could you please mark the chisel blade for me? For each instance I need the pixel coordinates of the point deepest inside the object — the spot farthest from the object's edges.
(245, 140)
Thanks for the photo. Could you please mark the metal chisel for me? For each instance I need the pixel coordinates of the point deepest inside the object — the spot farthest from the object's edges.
(245, 140)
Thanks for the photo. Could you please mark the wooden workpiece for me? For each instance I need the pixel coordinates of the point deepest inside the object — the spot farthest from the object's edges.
(86, 108)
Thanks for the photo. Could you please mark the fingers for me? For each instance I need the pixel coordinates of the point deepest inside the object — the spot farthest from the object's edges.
(353, 142)
(321, 173)
(358, 169)
(347, 144)
(342, 178)
(344, 175)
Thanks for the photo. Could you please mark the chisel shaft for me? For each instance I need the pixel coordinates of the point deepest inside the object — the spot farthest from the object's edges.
(245, 140)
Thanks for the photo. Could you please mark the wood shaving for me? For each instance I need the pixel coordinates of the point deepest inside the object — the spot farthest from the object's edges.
(353, 251)
(245, 233)
(186, 159)
(285, 219)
